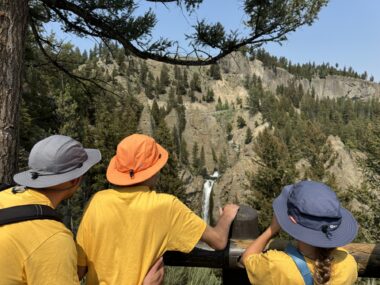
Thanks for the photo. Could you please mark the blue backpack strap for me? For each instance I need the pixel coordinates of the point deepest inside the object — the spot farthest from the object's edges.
(300, 261)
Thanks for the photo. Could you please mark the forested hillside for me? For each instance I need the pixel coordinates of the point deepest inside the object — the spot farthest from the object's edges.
(228, 117)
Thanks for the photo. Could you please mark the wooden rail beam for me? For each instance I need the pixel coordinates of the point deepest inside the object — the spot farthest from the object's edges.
(366, 255)
(244, 231)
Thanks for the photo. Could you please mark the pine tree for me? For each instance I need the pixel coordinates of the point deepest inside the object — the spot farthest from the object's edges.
(222, 162)
(149, 86)
(240, 122)
(209, 96)
(184, 155)
(248, 136)
(275, 171)
(169, 181)
(155, 112)
(214, 72)
(172, 102)
(196, 159)
(195, 83)
(164, 77)
(214, 157)
(229, 131)
(202, 163)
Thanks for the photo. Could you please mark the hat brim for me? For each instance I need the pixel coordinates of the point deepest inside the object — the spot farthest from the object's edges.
(343, 235)
(25, 178)
(124, 179)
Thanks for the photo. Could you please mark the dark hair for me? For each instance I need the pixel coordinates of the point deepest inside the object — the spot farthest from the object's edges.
(323, 262)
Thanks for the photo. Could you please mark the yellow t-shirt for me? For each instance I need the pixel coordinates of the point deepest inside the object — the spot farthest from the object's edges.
(277, 268)
(123, 232)
(38, 252)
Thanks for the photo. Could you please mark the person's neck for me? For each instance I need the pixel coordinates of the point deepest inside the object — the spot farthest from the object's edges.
(307, 250)
(55, 196)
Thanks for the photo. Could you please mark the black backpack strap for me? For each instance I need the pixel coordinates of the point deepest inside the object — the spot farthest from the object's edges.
(23, 213)
(4, 186)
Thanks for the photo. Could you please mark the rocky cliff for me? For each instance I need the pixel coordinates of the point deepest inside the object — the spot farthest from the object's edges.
(207, 127)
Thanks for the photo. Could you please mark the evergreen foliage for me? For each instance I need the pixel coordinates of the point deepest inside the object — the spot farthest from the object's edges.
(307, 70)
(302, 135)
(169, 181)
(248, 136)
(222, 162)
(240, 122)
(220, 106)
(195, 83)
(214, 72)
(209, 96)
(299, 126)
(229, 131)
(196, 160)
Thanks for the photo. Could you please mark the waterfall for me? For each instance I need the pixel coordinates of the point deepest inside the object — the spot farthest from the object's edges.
(207, 188)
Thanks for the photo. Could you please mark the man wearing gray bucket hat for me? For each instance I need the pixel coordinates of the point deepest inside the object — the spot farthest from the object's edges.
(43, 251)
(310, 212)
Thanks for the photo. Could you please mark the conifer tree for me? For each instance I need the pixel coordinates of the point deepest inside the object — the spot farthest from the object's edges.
(248, 136)
(196, 159)
(195, 83)
(155, 112)
(172, 101)
(169, 181)
(214, 72)
(209, 96)
(275, 171)
(149, 86)
(202, 163)
(222, 162)
(229, 131)
(214, 157)
(164, 77)
(240, 122)
(184, 155)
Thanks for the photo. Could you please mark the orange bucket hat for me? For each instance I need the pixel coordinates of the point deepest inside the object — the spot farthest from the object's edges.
(138, 158)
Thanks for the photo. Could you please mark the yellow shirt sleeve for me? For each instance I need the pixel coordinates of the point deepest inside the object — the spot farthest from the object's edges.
(54, 262)
(258, 267)
(186, 228)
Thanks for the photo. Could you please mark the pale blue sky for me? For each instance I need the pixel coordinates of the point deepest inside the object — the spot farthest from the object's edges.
(347, 32)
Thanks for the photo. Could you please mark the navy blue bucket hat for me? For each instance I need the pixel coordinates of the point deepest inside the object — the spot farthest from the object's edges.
(320, 220)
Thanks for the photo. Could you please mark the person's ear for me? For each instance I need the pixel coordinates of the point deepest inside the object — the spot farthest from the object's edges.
(76, 181)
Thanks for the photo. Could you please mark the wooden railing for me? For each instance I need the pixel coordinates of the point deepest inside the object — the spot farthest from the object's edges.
(243, 231)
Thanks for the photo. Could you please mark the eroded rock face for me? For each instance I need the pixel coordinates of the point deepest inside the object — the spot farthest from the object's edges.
(233, 185)
(344, 164)
(145, 123)
(332, 86)
(193, 189)
(207, 127)
(235, 63)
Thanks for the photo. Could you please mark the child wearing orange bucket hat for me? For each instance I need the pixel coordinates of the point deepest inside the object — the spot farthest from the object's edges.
(125, 229)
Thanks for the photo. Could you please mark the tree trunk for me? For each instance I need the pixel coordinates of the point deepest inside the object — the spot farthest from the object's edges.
(13, 25)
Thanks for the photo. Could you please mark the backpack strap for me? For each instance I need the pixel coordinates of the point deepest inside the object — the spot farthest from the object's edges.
(299, 260)
(4, 186)
(23, 213)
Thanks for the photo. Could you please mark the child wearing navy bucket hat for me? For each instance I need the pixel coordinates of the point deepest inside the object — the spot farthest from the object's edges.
(309, 212)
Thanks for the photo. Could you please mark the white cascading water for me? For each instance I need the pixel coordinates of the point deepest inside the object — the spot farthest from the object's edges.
(207, 188)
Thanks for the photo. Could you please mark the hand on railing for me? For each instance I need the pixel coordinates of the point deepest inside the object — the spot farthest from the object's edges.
(230, 211)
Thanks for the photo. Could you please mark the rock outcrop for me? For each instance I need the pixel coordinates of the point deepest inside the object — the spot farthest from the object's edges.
(207, 127)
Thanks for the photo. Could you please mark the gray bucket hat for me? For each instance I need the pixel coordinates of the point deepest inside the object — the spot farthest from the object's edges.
(321, 221)
(55, 160)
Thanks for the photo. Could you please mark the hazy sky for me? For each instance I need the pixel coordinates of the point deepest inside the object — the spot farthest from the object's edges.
(347, 32)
